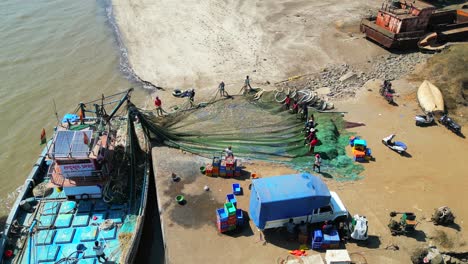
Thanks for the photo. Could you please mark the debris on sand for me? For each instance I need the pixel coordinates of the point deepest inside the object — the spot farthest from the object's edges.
(343, 80)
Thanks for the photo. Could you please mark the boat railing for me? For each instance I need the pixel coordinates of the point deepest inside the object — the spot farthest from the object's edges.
(57, 177)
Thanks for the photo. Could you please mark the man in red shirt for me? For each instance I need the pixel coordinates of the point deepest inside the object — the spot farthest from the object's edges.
(287, 102)
(312, 144)
(158, 103)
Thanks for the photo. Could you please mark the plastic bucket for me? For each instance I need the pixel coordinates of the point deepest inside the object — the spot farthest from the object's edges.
(202, 169)
(180, 199)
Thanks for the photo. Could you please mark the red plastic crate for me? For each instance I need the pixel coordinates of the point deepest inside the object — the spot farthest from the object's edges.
(232, 221)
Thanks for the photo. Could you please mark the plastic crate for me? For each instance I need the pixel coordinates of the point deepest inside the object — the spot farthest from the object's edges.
(230, 163)
(237, 174)
(240, 217)
(317, 235)
(230, 209)
(229, 173)
(236, 189)
(232, 222)
(222, 229)
(230, 198)
(316, 245)
(216, 161)
(221, 215)
(222, 225)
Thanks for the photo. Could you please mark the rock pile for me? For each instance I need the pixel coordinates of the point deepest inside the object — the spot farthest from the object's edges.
(343, 80)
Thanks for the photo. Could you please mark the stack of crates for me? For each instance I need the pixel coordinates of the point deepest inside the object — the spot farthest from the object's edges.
(222, 169)
(216, 164)
(230, 210)
(237, 168)
(230, 161)
(317, 239)
(240, 217)
(209, 170)
(229, 217)
(331, 240)
(230, 198)
(222, 220)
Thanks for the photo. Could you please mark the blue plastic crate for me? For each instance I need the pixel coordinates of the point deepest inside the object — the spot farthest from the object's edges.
(317, 235)
(221, 215)
(332, 238)
(223, 225)
(316, 245)
(230, 198)
(236, 189)
(240, 217)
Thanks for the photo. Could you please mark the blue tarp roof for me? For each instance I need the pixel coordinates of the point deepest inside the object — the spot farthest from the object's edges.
(289, 187)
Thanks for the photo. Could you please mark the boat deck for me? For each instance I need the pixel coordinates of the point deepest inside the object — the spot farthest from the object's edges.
(64, 226)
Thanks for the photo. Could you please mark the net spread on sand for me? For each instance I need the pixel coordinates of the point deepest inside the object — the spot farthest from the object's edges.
(256, 129)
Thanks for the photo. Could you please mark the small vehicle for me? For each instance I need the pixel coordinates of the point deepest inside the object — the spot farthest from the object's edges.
(424, 120)
(405, 226)
(387, 92)
(450, 124)
(359, 149)
(397, 146)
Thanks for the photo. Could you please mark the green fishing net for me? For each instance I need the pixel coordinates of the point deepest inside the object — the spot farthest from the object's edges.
(256, 129)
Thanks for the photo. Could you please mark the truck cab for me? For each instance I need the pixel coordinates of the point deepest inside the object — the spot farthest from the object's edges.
(330, 212)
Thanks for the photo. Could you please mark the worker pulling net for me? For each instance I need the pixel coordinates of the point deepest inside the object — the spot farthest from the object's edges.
(256, 129)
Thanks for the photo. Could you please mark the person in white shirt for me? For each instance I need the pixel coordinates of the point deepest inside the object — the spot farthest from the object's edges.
(229, 152)
(99, 251)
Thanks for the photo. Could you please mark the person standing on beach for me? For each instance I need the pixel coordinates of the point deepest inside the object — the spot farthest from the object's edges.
(247, 88)
(287, 102)
(191, 97)
(312, 145)
(229, 152)
(317, 162)
(295, 108)
(305, 111)
(158, 103)
(222, 92)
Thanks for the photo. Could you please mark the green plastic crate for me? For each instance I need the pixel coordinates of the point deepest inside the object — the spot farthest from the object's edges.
(230, 208)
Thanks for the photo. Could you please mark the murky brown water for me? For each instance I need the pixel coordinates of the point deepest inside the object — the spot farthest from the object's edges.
(62, 51)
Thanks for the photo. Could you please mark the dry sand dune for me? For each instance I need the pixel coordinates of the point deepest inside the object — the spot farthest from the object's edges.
(198, 43)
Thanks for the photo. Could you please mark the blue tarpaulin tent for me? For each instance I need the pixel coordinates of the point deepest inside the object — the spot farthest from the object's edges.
(287, 196)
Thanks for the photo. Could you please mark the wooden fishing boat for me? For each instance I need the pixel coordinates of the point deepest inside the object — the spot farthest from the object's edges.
(89, 184)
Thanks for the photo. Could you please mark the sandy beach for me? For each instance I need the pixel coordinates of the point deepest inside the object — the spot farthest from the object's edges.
(432, 175)
(199, 43)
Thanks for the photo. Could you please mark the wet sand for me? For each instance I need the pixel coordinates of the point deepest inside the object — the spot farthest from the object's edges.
(432, 175)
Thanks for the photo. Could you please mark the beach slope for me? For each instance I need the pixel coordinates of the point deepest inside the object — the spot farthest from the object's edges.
(199, 43)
